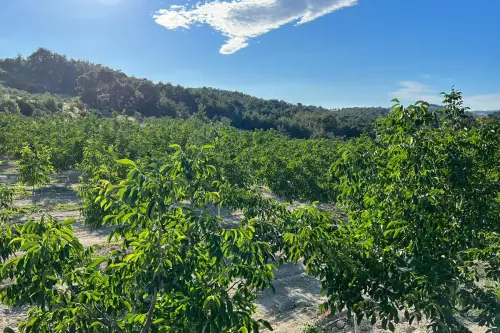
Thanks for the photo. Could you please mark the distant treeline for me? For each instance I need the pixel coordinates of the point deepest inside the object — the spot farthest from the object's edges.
(98, 87)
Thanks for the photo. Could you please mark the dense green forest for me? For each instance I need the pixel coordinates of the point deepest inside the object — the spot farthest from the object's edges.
(101, 88)
(47, 82)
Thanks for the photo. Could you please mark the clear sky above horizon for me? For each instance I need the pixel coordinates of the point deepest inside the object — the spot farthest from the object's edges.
(332, 53)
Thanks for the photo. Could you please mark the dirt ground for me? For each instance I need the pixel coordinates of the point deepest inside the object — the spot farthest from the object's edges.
(294, 303)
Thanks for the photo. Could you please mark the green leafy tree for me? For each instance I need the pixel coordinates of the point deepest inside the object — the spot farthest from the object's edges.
(99, 170)
(10, 105)
(177, 269)
(50, 102)
(423, 202)
(297, 169)
(6, 196)
(35, 167)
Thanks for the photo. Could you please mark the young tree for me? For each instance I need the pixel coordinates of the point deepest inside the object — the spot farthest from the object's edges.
(99, 169)
(423, 202)
(35, 167)
(177, 269)
(6, 196)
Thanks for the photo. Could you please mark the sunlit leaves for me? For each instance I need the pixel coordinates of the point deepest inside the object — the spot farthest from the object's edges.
(176, 268)
(421, 199)
(35, 166)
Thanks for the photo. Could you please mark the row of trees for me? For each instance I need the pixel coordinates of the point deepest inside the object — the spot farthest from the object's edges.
(294, 169)
(422, 197)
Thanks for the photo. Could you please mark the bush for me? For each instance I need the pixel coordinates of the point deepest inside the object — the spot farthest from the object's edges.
(9, 105)
(50, 102)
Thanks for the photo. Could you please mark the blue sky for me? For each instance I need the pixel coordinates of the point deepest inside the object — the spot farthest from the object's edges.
(333, 53)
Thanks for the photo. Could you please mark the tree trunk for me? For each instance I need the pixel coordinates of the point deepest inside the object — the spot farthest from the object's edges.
(356, 327)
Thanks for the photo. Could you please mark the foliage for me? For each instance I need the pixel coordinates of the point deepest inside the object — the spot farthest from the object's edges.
(29, 104)
(292, 168)
(6, 196)
(424, 208)
(177, 269)
(422, 195)
(6, 210)
(108, 90)
(298, 169)
(494, 115)
(9, 105)
(35, 166)
(99, 170)
(312, 328)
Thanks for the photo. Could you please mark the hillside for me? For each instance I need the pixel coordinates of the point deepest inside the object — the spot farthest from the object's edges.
(98, 87)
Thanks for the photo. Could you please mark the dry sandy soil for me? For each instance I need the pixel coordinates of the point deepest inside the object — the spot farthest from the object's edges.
(294, 303)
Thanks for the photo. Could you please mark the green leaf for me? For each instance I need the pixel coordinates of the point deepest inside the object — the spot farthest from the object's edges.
(130, 257)
(68, 221)
(97, 262)
(16, 240)
(126, 162)
(266, 324)
(150, 209)
(171, 224)
(158, 321)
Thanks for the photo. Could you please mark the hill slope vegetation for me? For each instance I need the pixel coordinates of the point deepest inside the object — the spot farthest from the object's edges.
(106, 90)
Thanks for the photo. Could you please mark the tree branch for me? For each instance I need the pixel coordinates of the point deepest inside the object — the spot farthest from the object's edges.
(233, 285)
(149, 319)
(105, 320)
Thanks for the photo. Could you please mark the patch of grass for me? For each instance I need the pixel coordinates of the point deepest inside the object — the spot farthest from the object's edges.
(105, 249)
(23, 210)
(21, 191)
(72, 206)
(312, 328)
(26, 209)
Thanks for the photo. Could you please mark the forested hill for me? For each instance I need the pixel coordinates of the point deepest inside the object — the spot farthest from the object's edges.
(98, 87)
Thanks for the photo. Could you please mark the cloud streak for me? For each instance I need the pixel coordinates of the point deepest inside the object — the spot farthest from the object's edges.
(412, 91)
(241, 20)
(483, 102)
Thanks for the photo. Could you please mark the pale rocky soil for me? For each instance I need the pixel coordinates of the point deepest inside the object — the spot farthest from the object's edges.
(294, 303)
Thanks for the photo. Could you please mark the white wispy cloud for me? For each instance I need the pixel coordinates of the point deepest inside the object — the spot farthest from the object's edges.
(241, 20)
(483, 102)
(412, 91)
